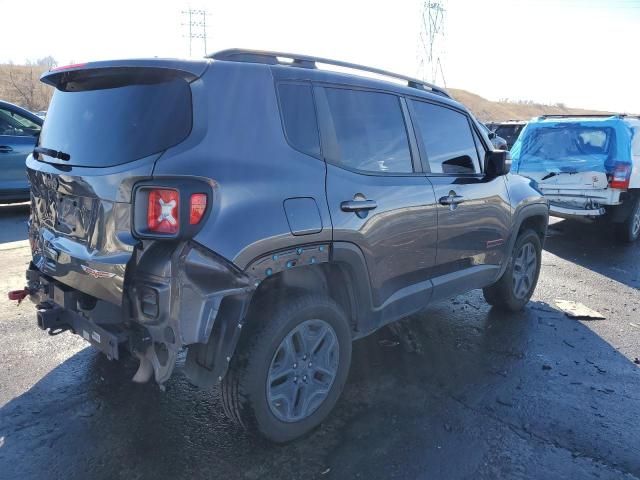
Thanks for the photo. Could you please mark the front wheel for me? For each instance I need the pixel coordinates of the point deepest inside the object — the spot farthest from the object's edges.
(518, 282)
(290, 370)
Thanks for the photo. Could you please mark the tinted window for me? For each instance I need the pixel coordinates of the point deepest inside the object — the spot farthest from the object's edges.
(117, 120)
(299, 117)
(14, 124)
(370, 133)
(447, 139)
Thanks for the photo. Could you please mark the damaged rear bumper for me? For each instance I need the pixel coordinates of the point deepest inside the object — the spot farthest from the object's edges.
(565, 212)
(581, 203)
(177, 296)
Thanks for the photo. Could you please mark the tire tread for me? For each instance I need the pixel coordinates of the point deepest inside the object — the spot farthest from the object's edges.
(236, 401)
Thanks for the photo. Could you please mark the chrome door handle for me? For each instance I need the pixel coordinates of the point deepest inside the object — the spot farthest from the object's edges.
(5, 149)
(451, 200)
(358, 205)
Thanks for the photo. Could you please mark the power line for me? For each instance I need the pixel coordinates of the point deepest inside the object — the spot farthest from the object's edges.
(432, 41)
(196, 21)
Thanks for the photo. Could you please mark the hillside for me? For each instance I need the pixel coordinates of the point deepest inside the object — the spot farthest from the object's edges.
(487, 110)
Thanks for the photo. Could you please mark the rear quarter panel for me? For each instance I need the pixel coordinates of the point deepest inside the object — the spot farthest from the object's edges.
(238, 142)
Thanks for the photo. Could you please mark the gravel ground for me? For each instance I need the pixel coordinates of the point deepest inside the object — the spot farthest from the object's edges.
(460, 391)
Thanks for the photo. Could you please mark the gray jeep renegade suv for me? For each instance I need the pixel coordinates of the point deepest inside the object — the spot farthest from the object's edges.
(263, 213)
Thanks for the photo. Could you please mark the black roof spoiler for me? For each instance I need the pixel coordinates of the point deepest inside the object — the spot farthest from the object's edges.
(307, 61)
(188, 69)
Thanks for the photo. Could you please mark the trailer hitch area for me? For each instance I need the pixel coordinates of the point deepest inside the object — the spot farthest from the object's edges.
(20, 295)
(50, 320)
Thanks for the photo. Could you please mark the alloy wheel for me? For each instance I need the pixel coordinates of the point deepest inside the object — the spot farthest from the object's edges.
(525, 265)
(302, 370)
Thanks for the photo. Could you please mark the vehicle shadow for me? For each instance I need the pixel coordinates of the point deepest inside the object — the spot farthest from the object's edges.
(594, 246)
(460, 391)
(13, 222)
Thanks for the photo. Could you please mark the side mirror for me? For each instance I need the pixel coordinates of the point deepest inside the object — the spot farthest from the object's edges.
(496, 163)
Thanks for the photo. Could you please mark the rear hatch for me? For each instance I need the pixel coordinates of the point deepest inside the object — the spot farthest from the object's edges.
(572, 159)
(106, 126)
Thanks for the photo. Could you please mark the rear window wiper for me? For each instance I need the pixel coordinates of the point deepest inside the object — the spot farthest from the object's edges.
(52, 153)
(553, 174)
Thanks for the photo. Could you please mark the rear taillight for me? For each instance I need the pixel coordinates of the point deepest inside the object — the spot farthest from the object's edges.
(172, 210)
(162, 211)
(197, 207)
(620, 177)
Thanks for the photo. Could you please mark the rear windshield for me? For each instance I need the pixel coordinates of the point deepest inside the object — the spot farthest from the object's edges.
(571, 148)
(107, 122)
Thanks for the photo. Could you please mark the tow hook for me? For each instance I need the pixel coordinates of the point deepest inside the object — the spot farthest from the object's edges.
(20, 295)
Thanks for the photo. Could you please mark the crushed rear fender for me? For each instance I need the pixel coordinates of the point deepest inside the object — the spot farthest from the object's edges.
(185, 295)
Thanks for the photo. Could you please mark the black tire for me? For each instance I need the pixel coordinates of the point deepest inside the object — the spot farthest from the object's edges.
(502, 294)
(629, 230)
(244, 388)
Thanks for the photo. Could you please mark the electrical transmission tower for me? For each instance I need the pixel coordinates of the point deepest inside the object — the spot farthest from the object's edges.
(431, 41)
(196, 22)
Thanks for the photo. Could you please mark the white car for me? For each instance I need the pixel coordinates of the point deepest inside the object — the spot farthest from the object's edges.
(586, 166)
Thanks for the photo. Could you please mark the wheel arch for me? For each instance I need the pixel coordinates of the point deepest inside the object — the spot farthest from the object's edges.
(534, 216)
(344, 278)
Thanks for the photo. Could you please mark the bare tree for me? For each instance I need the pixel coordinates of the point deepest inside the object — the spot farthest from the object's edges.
(24, 84)
(47, 62)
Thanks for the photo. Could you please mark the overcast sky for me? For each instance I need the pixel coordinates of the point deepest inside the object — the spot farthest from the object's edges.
(584, 53)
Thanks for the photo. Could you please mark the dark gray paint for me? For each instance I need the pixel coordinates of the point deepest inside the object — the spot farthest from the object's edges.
(268, 199)
(303, 215)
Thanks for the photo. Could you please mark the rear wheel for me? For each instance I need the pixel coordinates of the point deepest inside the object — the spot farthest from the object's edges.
(518, 282)
(290, 369)
(629, 230)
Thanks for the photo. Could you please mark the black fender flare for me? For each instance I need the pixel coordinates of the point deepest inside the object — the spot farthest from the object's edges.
(351, 258)
(521, 215)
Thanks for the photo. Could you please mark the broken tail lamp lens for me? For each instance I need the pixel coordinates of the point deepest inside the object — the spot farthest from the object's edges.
(620, 177)
(197, 207)
(162, 211)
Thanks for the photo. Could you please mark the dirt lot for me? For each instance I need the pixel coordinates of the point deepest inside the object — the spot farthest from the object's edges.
(467, 393)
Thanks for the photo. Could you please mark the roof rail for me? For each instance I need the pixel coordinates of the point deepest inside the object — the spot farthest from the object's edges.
(307, 61)
(586, 115)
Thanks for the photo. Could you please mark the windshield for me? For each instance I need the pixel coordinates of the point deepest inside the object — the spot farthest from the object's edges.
(101, 123)
(565, 148)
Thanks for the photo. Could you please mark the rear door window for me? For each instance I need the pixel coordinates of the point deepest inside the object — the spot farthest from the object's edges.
(299, 117)
(367, 131)
(113, 120)
(447, 139)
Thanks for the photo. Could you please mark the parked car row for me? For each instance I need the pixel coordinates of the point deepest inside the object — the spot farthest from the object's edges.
(509, 130)
(497, 141)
